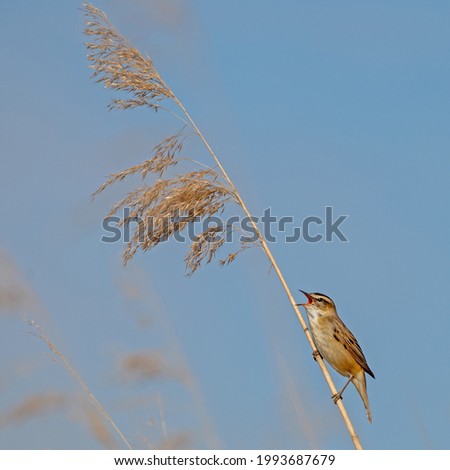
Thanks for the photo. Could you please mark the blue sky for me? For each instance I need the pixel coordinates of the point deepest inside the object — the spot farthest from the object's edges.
(308, 105)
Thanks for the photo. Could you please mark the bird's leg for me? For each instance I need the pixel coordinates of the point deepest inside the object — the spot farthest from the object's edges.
(315, 354)
(338, 396)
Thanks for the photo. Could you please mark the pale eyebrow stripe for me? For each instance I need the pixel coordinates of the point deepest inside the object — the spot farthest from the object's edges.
(323, 296)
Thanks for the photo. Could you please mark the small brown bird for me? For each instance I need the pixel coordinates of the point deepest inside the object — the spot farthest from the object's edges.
(337, 345)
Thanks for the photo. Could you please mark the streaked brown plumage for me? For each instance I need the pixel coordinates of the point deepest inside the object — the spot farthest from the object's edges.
(337, 345)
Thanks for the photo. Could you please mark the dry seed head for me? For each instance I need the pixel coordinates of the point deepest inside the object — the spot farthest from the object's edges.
(245, 243)
(33, 406)
(204, 247)
(165, 155)
(99, 430)
(120, 66)
(143, 365)
(168, 205)
(16, 296)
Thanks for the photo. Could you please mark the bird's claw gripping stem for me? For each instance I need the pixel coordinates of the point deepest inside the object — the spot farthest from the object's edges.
(336, 397)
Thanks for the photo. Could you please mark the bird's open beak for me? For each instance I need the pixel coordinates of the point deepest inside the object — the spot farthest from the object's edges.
(310, 299)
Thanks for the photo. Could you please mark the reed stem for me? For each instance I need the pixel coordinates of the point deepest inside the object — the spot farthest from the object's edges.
(348, 423)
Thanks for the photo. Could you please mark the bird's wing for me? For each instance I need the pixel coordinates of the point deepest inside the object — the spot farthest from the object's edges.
(351, 344)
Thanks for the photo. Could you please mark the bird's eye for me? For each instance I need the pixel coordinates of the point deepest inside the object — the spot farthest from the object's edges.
(320, 300)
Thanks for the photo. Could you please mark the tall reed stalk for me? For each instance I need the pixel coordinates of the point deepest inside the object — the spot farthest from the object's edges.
(187, 197)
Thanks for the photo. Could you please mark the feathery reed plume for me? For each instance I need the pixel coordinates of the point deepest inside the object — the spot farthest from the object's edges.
(33, 406)
(120, 66)
(169, 205)
(16, 296)
(143, 365)
(99, 430)
(164, 155)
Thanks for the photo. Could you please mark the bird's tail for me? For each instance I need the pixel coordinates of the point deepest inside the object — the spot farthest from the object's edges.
(360, 383)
